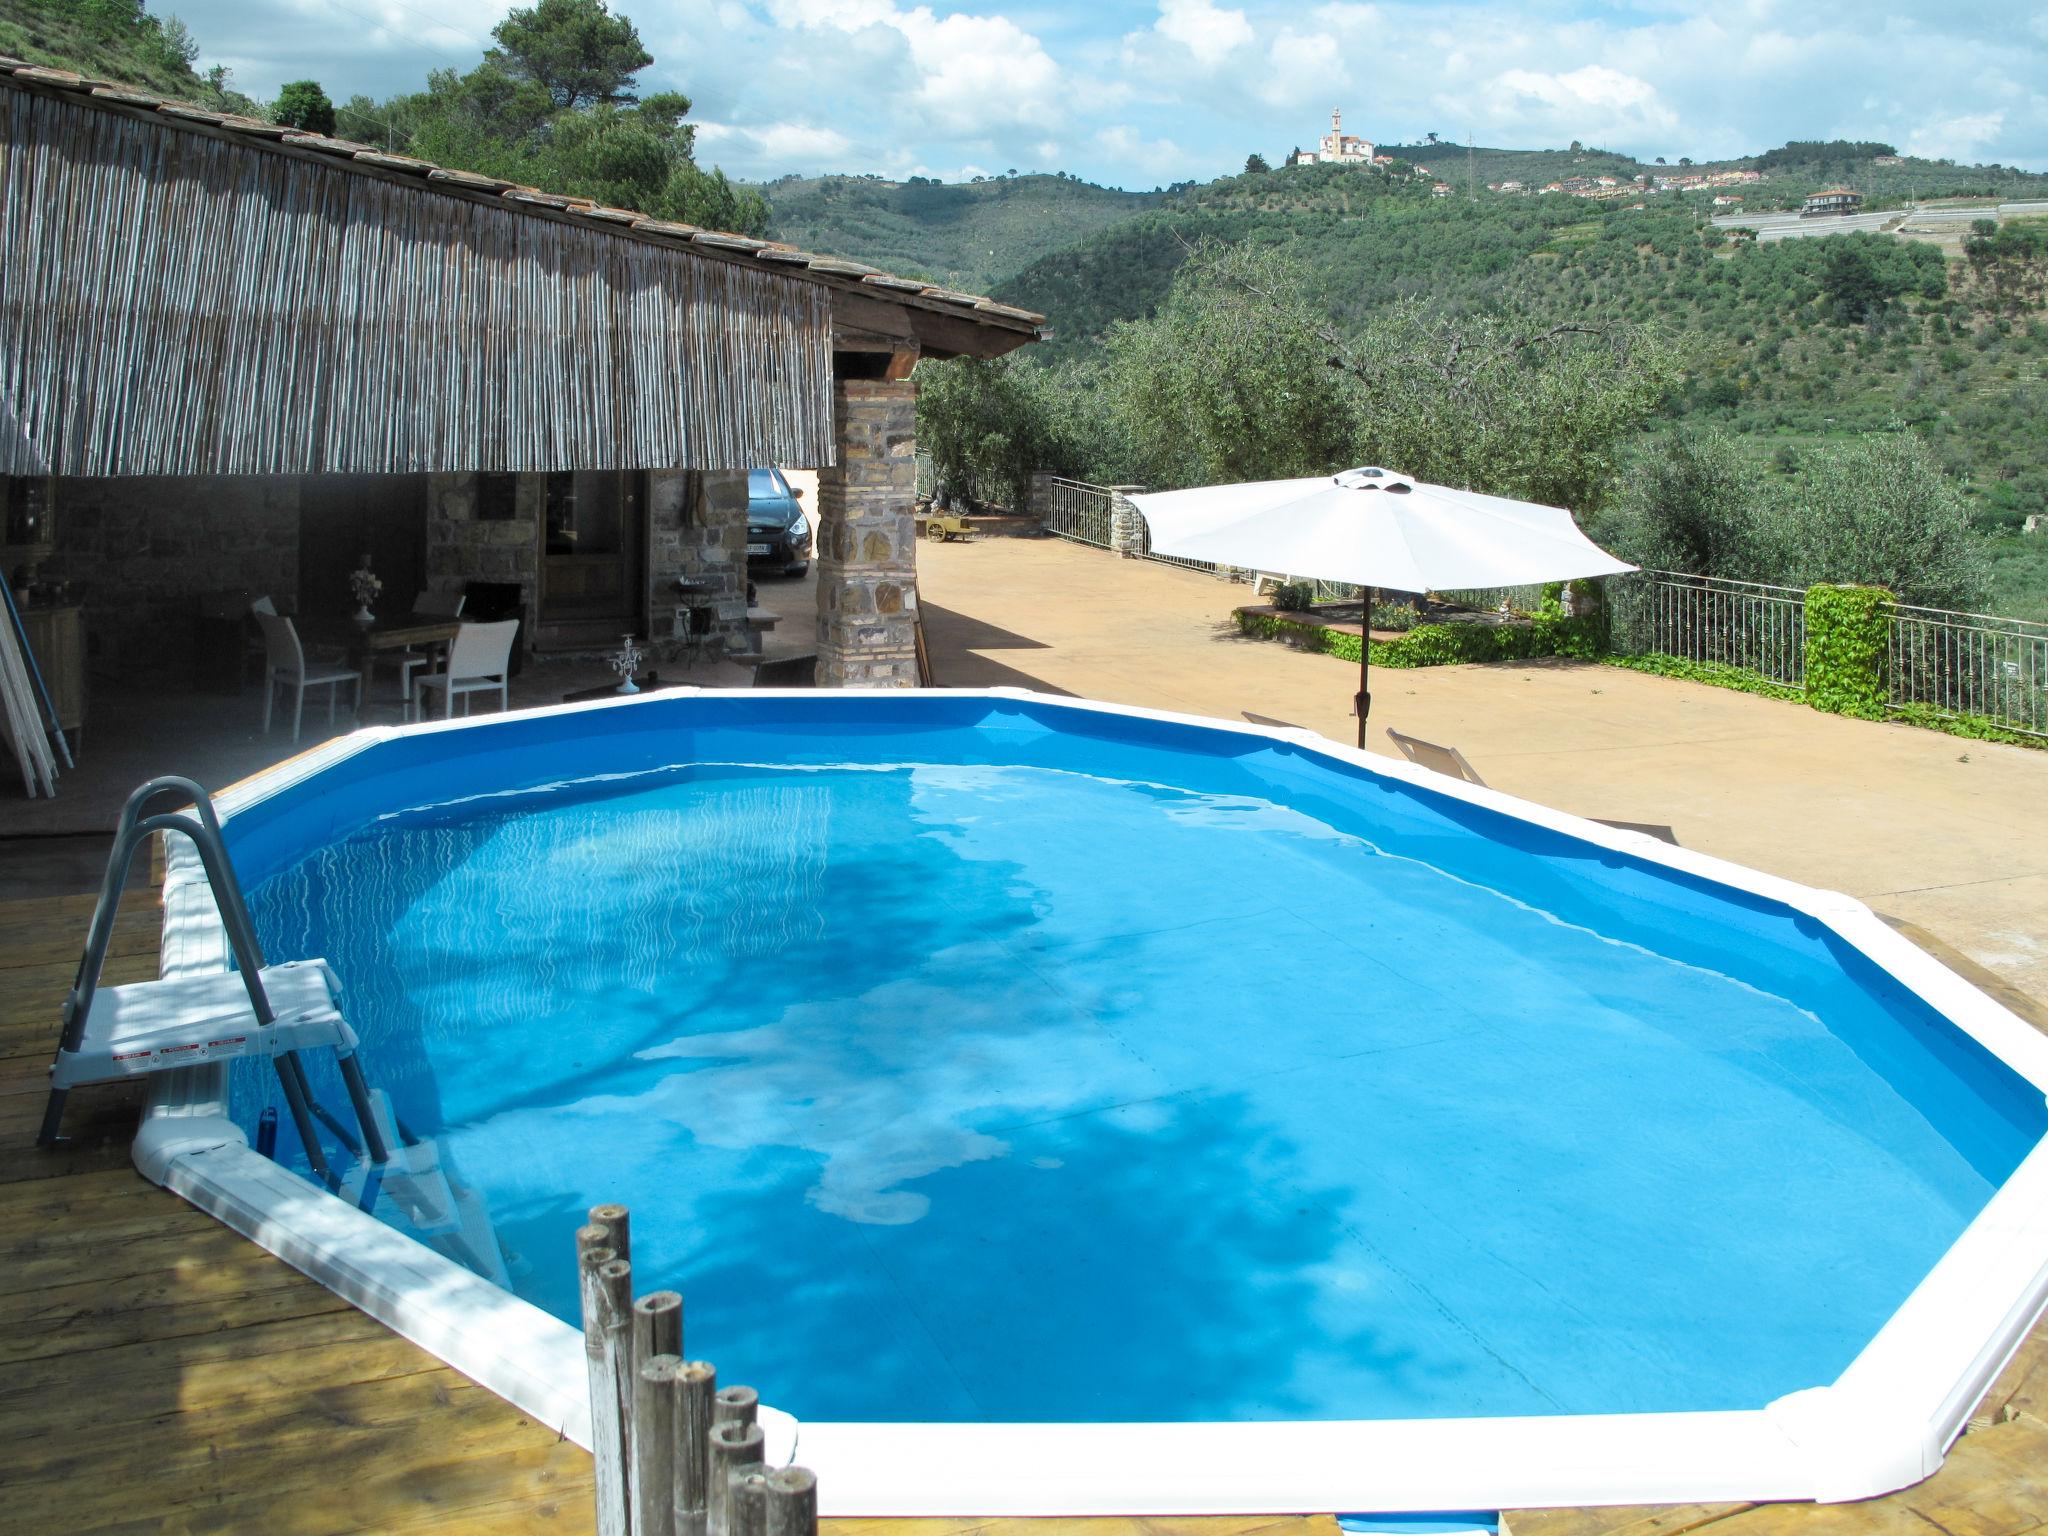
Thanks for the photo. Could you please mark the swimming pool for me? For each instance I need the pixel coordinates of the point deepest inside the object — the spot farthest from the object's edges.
(985, 1068)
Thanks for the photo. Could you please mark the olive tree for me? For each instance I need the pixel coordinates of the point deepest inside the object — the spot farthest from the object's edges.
(1879, 509)
(1230, 379)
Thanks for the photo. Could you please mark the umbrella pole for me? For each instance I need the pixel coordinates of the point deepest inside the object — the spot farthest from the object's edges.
(1362, 705)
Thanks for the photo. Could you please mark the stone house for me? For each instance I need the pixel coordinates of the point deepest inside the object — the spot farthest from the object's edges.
(235, 358)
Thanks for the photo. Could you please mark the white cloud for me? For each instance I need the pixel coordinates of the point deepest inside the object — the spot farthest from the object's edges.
(1208, 32)
(973, 73)
(1591, 102)
(1302, 68)
(1956, 138)
(797, 146)
(1157, 158)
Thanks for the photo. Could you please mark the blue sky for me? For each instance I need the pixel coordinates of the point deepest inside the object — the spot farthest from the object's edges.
(1139, 92)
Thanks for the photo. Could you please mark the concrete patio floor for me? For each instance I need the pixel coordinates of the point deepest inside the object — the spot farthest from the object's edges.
(1922, 826)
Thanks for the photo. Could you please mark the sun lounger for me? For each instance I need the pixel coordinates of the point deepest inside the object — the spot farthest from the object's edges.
(1449, 760)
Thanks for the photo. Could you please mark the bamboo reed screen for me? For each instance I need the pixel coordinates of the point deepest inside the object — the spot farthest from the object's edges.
(174, 303)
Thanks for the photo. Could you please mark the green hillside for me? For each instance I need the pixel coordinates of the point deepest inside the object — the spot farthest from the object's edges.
(966, 235)
(114, 40)
(1785, 342)
(1792, 171)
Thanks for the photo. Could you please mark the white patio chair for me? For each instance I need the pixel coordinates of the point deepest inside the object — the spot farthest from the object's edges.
(428, 605)
(285, 664)
(479, 660)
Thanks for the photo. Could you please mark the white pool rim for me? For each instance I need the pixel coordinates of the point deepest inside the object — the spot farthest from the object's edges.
(1884, 1423)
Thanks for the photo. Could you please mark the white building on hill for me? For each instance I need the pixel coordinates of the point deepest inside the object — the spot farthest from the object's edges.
(1337, 147)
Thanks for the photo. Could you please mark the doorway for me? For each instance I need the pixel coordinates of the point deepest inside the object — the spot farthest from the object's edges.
(593, 540)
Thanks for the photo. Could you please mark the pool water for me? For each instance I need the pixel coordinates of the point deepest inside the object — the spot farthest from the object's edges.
(1118, 1083)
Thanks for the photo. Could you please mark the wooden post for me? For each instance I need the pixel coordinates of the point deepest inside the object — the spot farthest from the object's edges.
(654, 1445)
(732, 1445)
(593, 1236)
(792, 1502)
(696, 1389)
(747, 1501)
(738, 1405)
(607, 1287)
(658, 1325)
(619, 1222)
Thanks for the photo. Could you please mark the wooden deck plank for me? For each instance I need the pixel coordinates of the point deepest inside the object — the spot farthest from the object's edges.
(52, 931)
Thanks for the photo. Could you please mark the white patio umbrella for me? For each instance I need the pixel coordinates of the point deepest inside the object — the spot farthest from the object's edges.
(1373, 528)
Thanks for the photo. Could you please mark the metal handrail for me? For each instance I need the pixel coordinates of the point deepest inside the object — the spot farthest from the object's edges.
(203, 829)
(129, 835)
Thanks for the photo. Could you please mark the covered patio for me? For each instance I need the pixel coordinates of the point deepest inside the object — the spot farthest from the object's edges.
(236, 359)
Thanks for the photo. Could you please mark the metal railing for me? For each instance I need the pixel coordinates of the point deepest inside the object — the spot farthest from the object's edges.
(1970, 664)
(1077, 510)
(1756, 626)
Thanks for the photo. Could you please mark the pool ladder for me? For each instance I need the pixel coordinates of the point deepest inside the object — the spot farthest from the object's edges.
(117, 1033)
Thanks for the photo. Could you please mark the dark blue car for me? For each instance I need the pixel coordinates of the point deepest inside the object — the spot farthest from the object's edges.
(778, 533)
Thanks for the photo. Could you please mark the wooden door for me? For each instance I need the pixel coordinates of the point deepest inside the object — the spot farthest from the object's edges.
(344, 517)
(591, 557)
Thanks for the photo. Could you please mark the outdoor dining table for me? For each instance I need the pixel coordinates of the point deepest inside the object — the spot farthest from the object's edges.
(364, 643)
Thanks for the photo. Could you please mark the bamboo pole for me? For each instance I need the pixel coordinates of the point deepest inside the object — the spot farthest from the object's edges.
(733, 1445)
(696, 1391)
(658, 1325)
(654, 1445)
(619, 1222)
(792, 1502)
(738, 1405)
(607, 1284)
(747, 1501)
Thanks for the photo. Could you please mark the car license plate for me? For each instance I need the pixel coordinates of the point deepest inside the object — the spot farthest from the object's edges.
(757, 549)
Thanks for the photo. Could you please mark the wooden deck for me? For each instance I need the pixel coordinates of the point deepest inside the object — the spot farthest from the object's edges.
(160, 1373)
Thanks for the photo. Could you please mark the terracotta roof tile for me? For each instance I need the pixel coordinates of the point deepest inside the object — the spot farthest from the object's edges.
(471, 179)
(719, 241)
(391, 162)
(668, 227)
(332, 146)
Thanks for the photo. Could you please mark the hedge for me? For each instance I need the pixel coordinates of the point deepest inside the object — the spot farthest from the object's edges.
(1847, 629)
(1439, 645)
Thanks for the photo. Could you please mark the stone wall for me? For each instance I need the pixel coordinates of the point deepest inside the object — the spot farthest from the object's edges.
(697, 535)
(461, 547)
(867, 539)
(140, 553)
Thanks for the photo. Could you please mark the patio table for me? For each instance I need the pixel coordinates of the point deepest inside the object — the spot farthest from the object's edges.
(364, 643)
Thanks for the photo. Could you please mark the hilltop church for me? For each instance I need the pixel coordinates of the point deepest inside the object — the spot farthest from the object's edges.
(1337, 146)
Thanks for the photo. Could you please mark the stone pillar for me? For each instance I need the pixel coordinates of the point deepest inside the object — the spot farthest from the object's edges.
(1127, 533)
(697, 535)
(1040, 505)
(867, 539)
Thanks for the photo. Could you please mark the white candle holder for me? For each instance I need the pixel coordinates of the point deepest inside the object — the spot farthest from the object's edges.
(626, 661)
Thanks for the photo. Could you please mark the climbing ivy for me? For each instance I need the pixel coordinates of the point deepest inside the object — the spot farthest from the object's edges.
(1846, 631)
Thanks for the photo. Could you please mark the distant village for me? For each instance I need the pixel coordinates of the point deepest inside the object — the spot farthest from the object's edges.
(1340, 148)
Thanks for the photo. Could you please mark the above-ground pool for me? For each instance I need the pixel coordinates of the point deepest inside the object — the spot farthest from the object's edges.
(979, 1063)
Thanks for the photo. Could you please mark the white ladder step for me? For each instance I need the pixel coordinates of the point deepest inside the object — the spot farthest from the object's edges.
(153, 1026)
